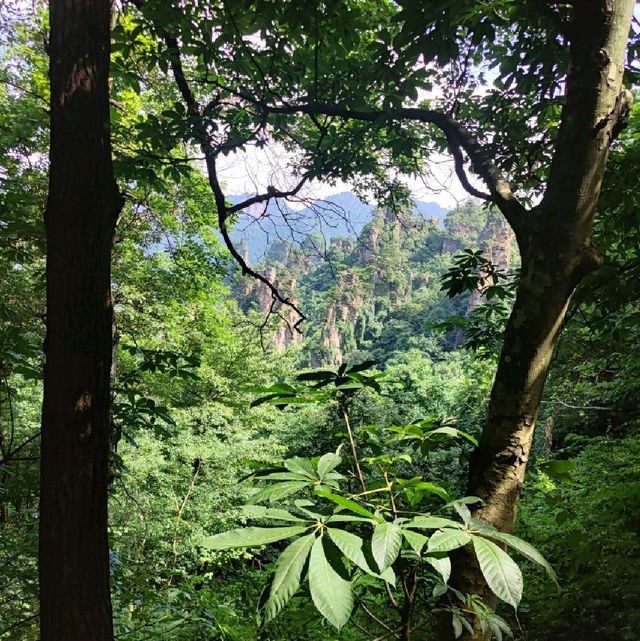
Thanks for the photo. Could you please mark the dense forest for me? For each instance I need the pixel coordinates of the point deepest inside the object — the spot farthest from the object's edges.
(274, 416)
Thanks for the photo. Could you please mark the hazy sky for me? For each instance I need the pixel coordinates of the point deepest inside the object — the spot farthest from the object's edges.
(252, 171)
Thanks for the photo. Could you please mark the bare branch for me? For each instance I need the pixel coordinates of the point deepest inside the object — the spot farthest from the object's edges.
(210, 158)
(458, 137)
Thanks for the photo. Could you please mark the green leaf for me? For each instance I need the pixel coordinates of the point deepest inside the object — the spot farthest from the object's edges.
(441, 564)
(279, 491)
(559, 470)
(330, 593)
(283, 476)
(361, 367)
(463, 511)
(327, 463)
(286, 578)
(318, 375)
(526, 549)
(261, 512)
(456, 622)
(351, 546)
(432, 523)
(447, 540)
(348, 504)
(347, 518)
(386, 543)
(415, 540)
(453, 432)
(500, 571)
(249, 537)
(425, 486)
(303, 466)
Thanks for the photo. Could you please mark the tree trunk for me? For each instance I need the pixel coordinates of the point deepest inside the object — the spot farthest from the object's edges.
(556, 248)
(82, 209)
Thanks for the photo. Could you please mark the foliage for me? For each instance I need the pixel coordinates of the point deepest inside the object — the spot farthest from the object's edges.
(384, 505)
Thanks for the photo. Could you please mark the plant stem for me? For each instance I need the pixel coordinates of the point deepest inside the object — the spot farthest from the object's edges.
(354, 451)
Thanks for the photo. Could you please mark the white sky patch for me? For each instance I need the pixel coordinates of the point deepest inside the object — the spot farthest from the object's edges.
(254, 170)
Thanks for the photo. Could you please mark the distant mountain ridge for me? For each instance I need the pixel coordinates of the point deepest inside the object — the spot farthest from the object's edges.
(338, 215)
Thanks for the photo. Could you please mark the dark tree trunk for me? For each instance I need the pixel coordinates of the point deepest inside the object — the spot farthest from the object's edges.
(82, 210)
(555, 241)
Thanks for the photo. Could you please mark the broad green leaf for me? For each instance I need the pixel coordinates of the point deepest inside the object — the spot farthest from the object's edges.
(425, 486)
(327, 463)
(318, 375)
(361, 367)
(303, 466)
(330, 593)
(283, 476)
(351, 546)
(526, 549)
(276, 399)
(453, 432)
(276, 388)
(347, 518)
(278, 491)
(386, 543)
(286, 578)
(261, 512)
(249, 537)
(432, 523)
(415, 540)
(463, 511)
(389, 576)
(500, 571)
(348, 504)
(457, 625)
(447, 540)
(352, 385)
(442, 565)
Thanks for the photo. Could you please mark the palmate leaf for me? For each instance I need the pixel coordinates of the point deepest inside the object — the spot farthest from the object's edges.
(317, 375)
(286, 578)
(500, 571)
(432, 523)
(261, 512)
(352, 547)
(348, 504)
(249, 537)
(279, 491)
(330, 593)
(415, 540)
(361, 367)
(299, 465)
(453, 432)
(526, 549)
(283, 476)
(327, 463)
(447, 540)
(386, 543)
(442, 565)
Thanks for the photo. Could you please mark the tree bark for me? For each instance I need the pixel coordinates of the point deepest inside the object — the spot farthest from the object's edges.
(82, 209)
(555, 241)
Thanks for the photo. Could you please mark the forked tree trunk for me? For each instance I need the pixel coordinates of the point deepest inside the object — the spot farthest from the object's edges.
(555, 241)
(82, 209)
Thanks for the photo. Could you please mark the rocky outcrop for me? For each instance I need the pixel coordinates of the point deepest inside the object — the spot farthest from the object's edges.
(365, 280)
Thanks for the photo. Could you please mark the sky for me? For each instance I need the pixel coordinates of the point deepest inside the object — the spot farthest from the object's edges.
(255, 169)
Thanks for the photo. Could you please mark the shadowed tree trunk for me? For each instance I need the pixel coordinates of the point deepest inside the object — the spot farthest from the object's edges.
(555, 241)
(81, 213)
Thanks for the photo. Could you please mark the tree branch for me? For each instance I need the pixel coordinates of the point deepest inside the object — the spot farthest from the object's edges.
(210, 159)
(458, 137)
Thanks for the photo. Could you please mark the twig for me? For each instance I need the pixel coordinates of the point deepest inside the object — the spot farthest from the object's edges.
(174, 546)
(354, 451)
